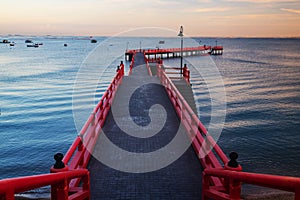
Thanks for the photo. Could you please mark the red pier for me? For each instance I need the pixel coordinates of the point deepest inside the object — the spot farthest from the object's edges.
(176, 52)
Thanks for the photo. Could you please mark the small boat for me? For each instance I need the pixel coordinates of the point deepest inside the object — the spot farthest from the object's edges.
(65, 45)
(93, 41)
(33, 45)
(28, 41)
(5, 41)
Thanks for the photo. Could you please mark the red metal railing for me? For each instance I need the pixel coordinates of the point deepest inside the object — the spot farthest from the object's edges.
(177, 71)
(60, 181)
(147, 64)
(195, 128)
(79, 153)
(154, 60)
(217, 48)
(219, 180)
(171, 50)
(290, 184)
(131, 64)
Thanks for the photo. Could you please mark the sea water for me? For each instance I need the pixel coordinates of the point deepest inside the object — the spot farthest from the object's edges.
(261, 79)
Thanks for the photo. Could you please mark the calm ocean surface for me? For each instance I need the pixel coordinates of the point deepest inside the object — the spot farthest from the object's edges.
(261, 78)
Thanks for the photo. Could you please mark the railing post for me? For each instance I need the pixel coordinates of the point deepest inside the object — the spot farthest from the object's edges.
(232, 186)
(118, 69)
(159, 71)
(59, 165)
(122, 68)
(86, 183)
(93, 125)
(234, 189)
(297, 194)
(80, 145)
(10, 195)
(60, 190)
(205, 185)
(186, 73)
(80, 148)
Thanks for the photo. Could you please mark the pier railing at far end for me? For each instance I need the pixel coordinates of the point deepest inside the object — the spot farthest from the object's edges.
(60, 181)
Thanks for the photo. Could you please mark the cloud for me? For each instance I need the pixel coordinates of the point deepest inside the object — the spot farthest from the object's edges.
(290, 10)
(264, 1)
(214, 9)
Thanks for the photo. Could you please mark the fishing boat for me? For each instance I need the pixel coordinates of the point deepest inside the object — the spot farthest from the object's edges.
(5, 41)
(93, 41)
(33, 45)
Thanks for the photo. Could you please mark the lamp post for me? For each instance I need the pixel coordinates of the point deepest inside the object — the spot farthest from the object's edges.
(140, 46)
(180, 34)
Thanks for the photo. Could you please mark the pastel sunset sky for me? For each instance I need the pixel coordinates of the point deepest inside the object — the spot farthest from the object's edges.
(221, 18)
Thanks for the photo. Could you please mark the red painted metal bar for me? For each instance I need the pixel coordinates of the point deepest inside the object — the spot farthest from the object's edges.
(147, 64)
(186, 74)
(219, 183)
(78, 155)
(12, 186)
(217, 48)
(172, 50)
(194, 126)
(154, 60)
(177, 70)
(286, 183)
(202, 142)
(132, 63)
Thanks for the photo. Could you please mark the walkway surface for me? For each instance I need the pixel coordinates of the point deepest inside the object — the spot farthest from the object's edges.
(132, 107)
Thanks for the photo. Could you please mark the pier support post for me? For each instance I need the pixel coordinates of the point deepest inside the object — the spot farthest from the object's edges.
(122, 68)
(232, 186)
(186, 73)
(59, 190)
(181, 48)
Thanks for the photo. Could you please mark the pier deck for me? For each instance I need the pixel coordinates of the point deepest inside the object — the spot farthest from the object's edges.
(179, 180)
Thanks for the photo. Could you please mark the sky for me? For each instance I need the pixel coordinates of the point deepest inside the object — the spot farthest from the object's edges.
(215, 18)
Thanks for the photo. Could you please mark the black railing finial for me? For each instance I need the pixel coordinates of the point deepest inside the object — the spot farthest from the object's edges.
(59, 163)
(233, 160)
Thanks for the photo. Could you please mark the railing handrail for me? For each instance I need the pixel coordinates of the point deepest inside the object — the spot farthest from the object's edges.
(131, 64)
(78, 154)
(172, 50)
(21, 184)
(193, 117)
(147, 65)
(225, 183)
(287, 183)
